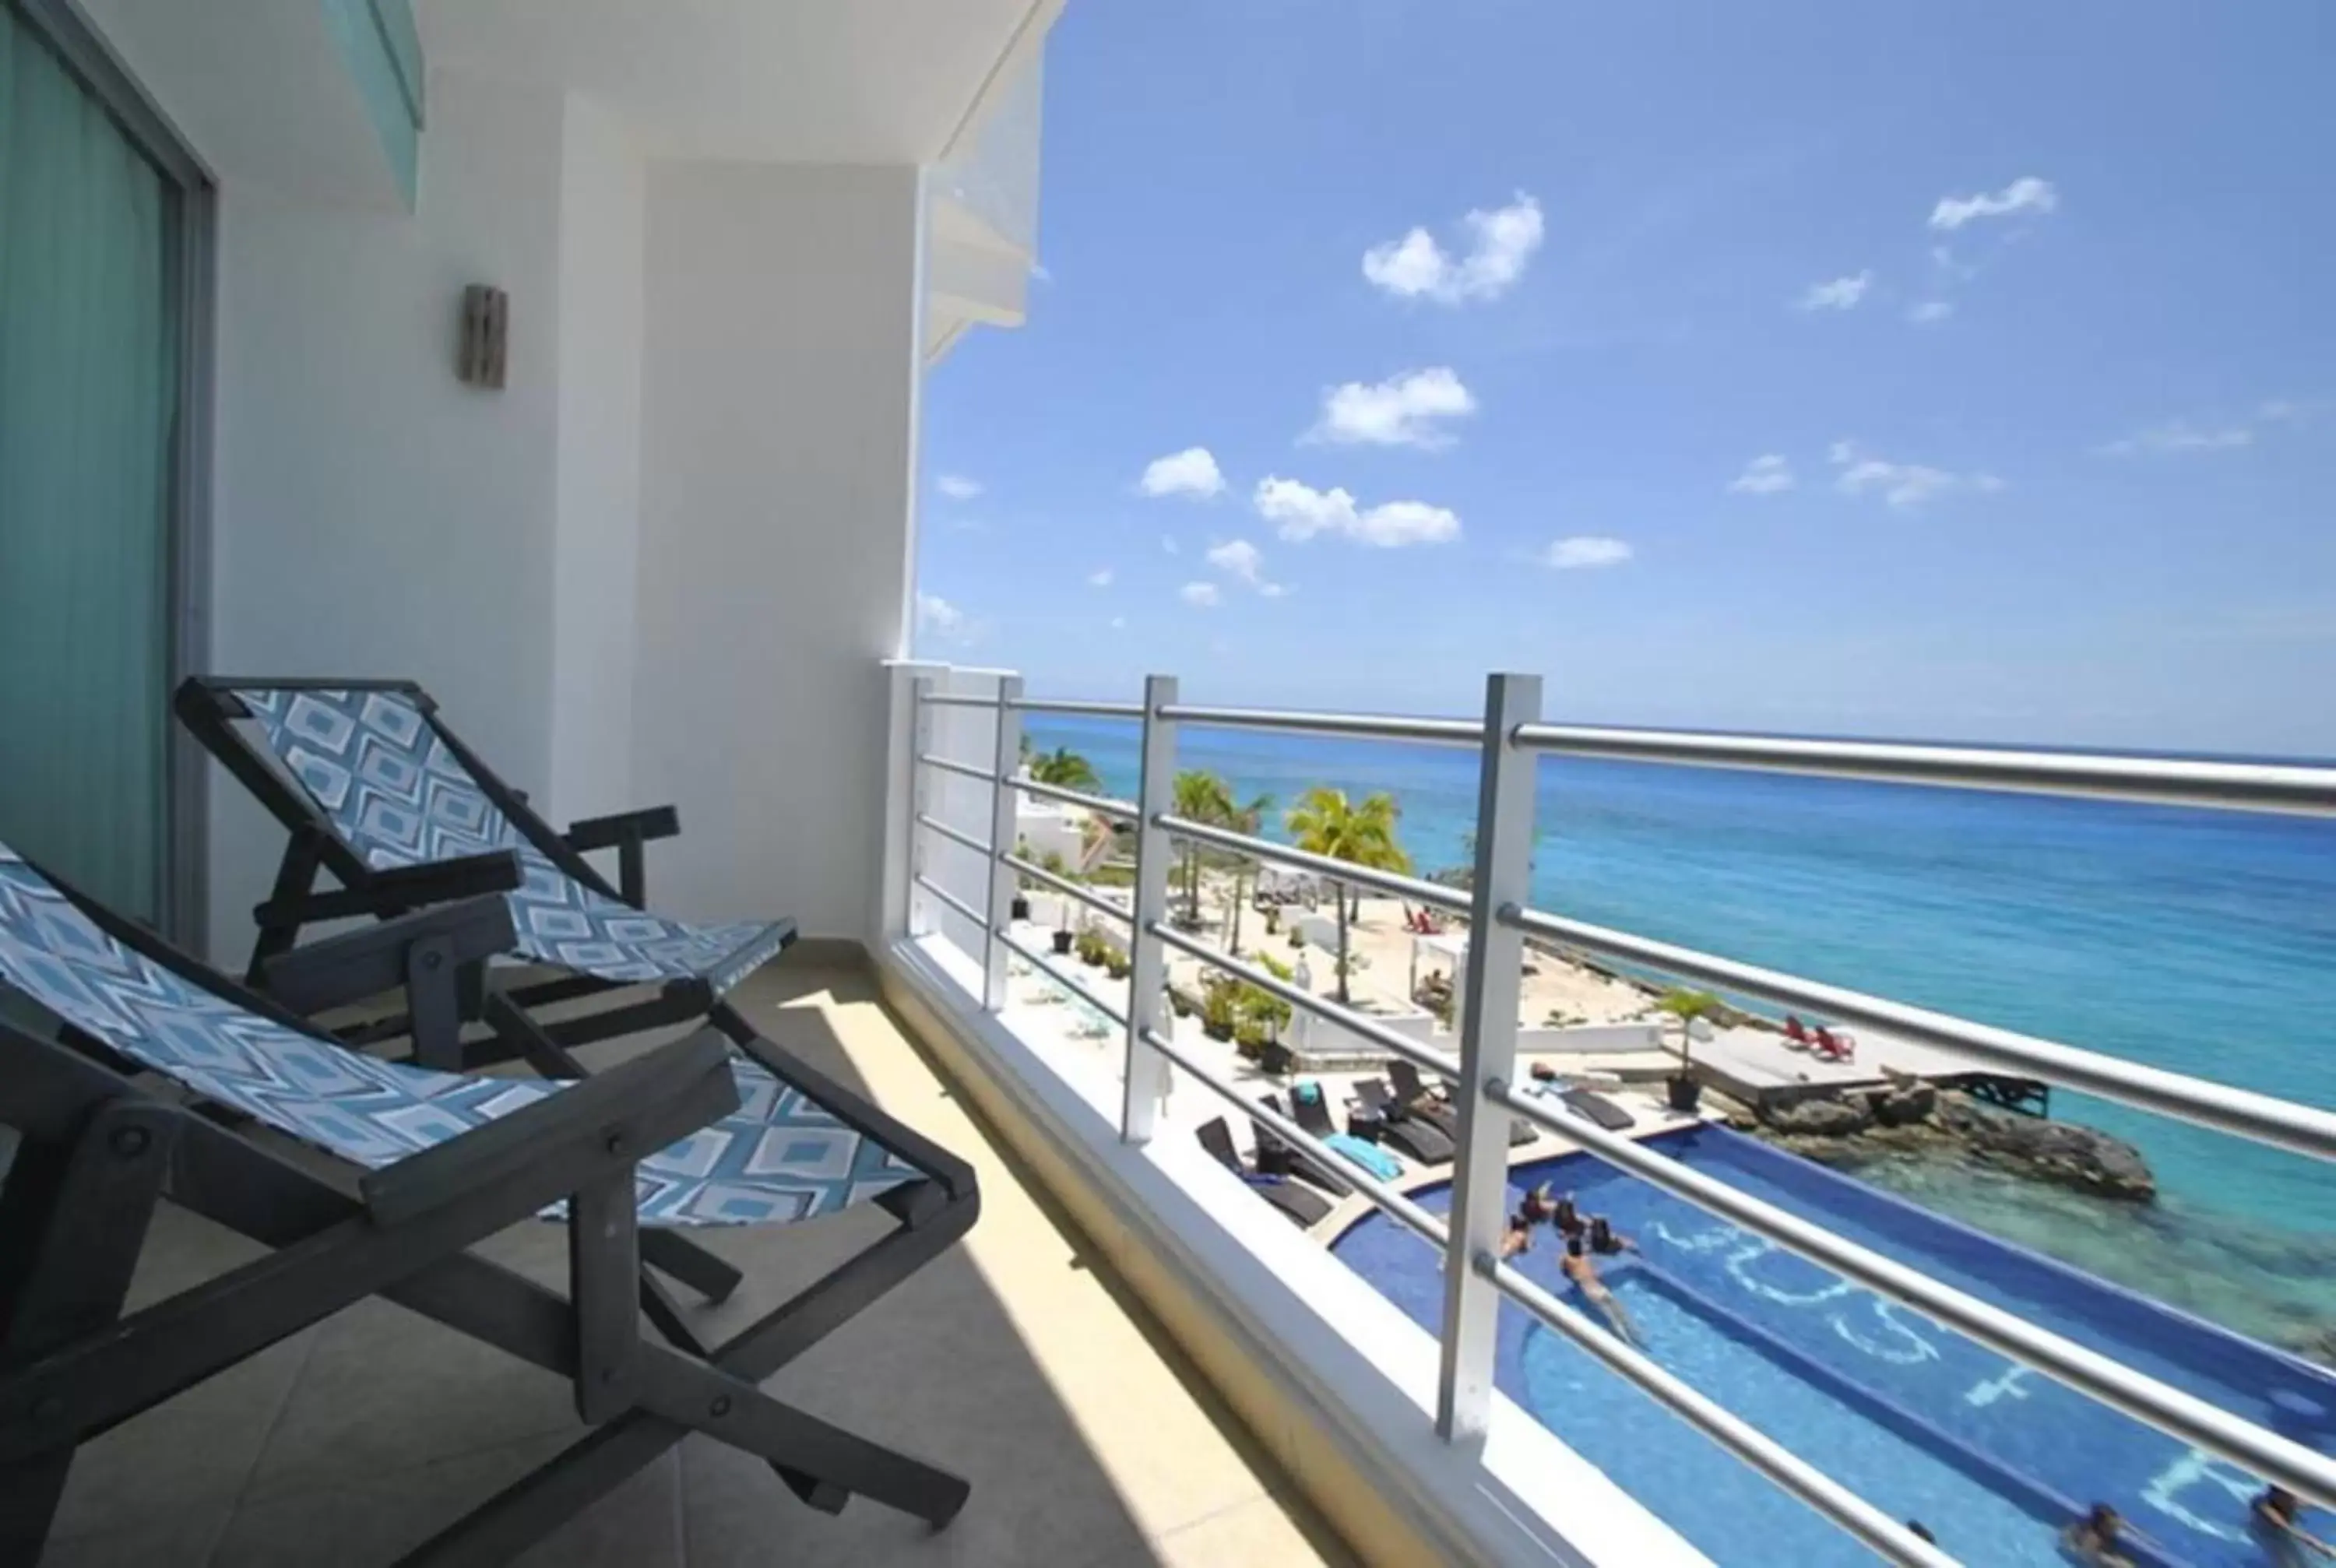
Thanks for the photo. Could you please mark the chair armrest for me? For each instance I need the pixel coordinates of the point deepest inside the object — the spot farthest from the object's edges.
(365, 963)
(577, 1133)
(400, 888)
(623, 827)
(626, 832)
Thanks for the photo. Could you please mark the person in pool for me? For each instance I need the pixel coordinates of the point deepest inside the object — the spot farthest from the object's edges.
(1606, 1240)
(1566, 1217)
(2093, 1539)
(1537, 1208)
(1517, 1238)
(2279, 1526)
(1584, 1275)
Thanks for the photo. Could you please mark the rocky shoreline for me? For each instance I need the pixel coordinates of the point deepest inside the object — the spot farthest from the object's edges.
(1909, 1117)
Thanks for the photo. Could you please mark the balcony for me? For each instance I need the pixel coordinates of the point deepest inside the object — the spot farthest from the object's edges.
(1104, 1089)
(1017, 1360)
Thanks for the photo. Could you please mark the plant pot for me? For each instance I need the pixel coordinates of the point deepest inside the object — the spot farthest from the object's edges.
(1218, 1031)
(1061, 943)
(1021, 907)
(1275, 1059)
(1684, 1092)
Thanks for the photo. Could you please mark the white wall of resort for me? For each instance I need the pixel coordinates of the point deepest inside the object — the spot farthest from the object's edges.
(780, 391)
(603, 194)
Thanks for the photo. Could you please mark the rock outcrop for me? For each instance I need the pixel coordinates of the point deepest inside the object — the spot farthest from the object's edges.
(1823, 1117)
(2084, 1158)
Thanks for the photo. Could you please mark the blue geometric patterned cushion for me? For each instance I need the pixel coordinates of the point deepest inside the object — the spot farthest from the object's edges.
(396, 794)
(780, 1157)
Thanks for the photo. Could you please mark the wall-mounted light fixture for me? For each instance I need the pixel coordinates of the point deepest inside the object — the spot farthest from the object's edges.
(486, 335)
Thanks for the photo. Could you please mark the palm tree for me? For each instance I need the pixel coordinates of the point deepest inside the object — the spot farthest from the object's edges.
(1201, 796)
(1065, 769)
(1325, 822)
(1243, 819)
(1687, 1006)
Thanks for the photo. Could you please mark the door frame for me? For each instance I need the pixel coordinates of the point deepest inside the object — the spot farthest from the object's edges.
(190, 261)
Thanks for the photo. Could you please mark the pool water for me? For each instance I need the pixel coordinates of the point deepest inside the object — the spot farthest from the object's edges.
(1921, 1422)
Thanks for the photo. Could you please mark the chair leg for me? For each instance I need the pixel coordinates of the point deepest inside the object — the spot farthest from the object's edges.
(71, 1223)
(684, 1260)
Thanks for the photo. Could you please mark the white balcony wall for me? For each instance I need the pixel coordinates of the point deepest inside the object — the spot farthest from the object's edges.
(779, 401)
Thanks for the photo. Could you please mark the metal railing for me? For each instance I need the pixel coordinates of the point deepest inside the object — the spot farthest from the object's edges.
(1510, 738)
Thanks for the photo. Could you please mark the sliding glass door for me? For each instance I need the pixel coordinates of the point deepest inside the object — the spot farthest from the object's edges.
(90, 348)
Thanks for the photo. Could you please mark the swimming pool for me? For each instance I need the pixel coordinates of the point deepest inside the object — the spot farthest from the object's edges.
(1923, 1423)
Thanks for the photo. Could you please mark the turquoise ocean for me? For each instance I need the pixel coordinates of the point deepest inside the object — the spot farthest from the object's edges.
(2200, 941)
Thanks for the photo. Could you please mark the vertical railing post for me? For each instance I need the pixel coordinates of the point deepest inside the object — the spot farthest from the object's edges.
(1004, 880)
(1147, 1070)
(921, 784)
(1487, 997)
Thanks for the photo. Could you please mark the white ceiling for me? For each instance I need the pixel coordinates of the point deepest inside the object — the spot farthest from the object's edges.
(797, 81)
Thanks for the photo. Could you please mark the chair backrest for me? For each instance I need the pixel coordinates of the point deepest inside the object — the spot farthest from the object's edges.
(1406, 1078)
(382, 773)
(1217, 1138)
(56, 953)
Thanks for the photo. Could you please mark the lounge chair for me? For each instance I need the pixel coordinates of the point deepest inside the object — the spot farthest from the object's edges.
(376, 790)
(1418, 1139)
(1796, 1034)
(1596, 1108)
(1300, 1204)
(429, 1163)
(1276, 1157)
(1834, 1046)
(1415, 1102)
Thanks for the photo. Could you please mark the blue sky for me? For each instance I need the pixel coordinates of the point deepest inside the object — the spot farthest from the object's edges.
(2028, 309)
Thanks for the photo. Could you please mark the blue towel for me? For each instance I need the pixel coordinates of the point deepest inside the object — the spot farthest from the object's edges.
(1375, 1159)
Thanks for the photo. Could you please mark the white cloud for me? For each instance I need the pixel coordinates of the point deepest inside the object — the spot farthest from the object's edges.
(1192, 471)
(1299, 511)
(1500, 243)
(1100, 577)
(957, 487)
(1404, 410)
(1199, 595)
(1929, 312)
(1240, 559)
(2025, 194)
(1901, 485)
(1840, 294)
(1764, 475)
(938, 615)
(1584, 553)
(1119, 623)
(2179, 436)
(1168, 544)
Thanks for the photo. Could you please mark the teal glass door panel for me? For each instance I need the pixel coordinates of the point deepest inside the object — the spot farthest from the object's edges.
(89, 385)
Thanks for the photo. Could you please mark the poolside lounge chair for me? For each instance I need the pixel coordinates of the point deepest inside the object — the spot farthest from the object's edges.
(1834, 1046)
(1419, 1139)
(1300, 1204)
(375, 789)
(436, 1163)
(1796, 1034)
(1415, 1102)
(1276, 1157)
(1596, 1108)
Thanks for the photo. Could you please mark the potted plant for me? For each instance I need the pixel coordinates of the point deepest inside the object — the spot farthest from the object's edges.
(1217, 1018)
(1683, 1089)
(1249, 1039)
(1115, 963)
(1091, 947)
(1179, 1003)
(1063, 934)
(1022, 885)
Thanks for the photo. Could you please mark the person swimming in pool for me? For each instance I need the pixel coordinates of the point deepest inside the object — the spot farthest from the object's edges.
(1584, 1275)
(1538, 1206)
(1606, 1240)
(1517, 1238)
(1566, 1217)
(2093, 1540)
(2279, 1525)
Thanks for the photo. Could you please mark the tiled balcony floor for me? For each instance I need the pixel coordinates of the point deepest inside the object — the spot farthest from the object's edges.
(1087, 1438)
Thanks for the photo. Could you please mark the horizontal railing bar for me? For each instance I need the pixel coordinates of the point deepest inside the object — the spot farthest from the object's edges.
(1747, 1442)
(1124, 811)
(1395, 884)
(2263, 1118)
(1378, 1034)
(962, 769)
(951, 899)
(1394, 1204)
(1373, 726)
(1060, 978)
(2153, 1403)
(958, 699)
(955, 836)
(2174, 780)
(1067, 888)
(1073, 704)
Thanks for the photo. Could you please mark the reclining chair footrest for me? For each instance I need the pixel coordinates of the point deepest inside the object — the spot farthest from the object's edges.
(824, 1496)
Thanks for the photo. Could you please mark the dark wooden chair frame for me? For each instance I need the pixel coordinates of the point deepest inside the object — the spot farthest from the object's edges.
(102, 1142)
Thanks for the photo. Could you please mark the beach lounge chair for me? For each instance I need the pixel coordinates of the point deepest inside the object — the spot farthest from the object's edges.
(1420, 1140)
(376, 790)
(1415, 1102)
(1300, 1204)
(127, 1066)
(1834, 1046)
(1796, 1034)
(1596, 1108)
(1275, 1157)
